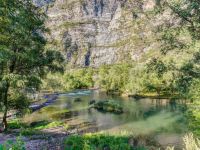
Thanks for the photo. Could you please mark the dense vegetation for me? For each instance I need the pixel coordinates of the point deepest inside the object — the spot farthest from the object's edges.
(108, 106)
(97, 142)
(23, 57)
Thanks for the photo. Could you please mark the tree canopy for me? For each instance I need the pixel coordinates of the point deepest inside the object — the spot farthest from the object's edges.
(24, 61)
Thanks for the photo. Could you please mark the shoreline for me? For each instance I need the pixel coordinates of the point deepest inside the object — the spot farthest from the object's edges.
(50, 99)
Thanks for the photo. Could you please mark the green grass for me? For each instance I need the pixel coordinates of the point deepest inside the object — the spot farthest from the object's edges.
(30, 132)
(100, 141)
(11, 145)
(193, 116)
(97, 141)
(108, 106)
(16, 124)
(36, 128)
(51, 125)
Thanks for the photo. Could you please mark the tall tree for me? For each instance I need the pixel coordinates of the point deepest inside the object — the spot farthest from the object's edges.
(179, 34)
(24, 61)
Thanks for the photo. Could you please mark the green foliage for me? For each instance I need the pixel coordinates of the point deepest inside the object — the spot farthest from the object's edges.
(51, 125)
(114, 77)
(190, 143)
(81, 78)
(194, 90)
(16, 124)
(72, 79)
(179, 39)
(96, 141)
(137, 79)
(193, 115)
(34, 128)
(29, 132)
(23, 57)
(122, 78)
(108, 106)
(19, 102)
(11, 145)
(54, 82)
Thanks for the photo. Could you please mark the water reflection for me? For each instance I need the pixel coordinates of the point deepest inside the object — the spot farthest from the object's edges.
(140, 116)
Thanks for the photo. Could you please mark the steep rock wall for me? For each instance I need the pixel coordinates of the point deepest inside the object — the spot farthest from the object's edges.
(96, 32)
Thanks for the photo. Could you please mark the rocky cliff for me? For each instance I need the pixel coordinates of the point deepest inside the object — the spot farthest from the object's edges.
(95, 32)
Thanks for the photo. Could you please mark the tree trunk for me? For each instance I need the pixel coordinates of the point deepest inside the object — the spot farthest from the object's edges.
(4, 122)
(158, 92)
(12, 67)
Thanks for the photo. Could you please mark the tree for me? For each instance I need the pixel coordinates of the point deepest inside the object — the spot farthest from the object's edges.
(24, 61)
(113, 78)
(179, 34)
(156, 70)
(137, 79)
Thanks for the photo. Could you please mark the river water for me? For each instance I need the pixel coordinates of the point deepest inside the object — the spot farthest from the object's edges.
(160, 117)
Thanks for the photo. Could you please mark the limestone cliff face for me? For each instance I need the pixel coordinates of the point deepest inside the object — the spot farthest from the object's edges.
(95, 32)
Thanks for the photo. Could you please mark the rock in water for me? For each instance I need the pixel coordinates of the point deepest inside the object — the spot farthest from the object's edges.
(77, 99)
(91, 102)
(108, 106)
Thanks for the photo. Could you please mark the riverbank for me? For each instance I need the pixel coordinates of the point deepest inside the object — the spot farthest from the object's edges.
(59, 138)
(50, 98)
(66, 117)
(76, 142)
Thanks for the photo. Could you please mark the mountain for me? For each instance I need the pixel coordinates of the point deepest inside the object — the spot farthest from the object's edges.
(96, 32)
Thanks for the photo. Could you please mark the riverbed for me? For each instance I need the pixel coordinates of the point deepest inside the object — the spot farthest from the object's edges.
(162, 118)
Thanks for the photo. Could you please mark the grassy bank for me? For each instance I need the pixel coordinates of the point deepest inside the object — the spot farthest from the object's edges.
(18, 127)
(107, 142)
(193, 115)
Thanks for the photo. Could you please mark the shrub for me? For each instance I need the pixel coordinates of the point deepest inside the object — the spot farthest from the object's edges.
(108, 106)
(113, 78)
(97, 141)
(11, 145)
(80, 78)
(19, 102)
(16, 124)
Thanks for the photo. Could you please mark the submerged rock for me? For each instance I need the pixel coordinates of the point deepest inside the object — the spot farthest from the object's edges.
(77, 99)
(108, 106)
(91, 102)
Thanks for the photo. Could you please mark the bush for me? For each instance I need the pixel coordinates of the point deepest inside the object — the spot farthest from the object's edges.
(78, 99)
(19, 102)
(29, 132)
(11, 145)
(108, 106)
(16, 124)
(78, 79)
(97, 141)
(113, 78)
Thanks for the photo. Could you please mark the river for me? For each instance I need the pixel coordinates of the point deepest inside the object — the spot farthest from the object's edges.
(159, 117)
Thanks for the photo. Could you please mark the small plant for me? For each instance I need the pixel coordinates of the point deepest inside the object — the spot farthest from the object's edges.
(97, 141)
(191, 143)
(51, 125)
(29, 131)
(108, 106)
(170, 148)
(16, 124)
(78, 99)
(13, 145)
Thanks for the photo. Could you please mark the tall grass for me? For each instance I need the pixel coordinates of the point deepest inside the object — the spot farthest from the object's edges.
(190, 143)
